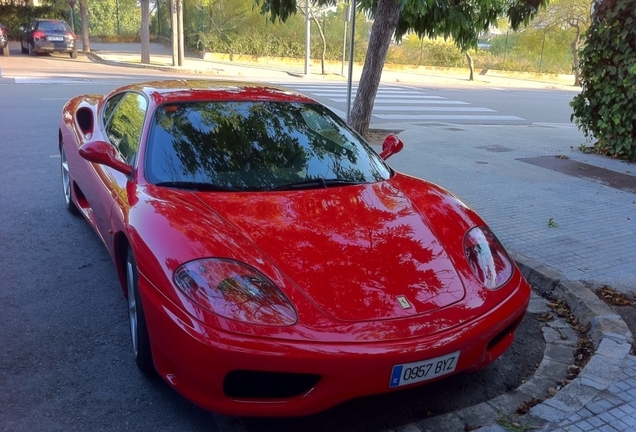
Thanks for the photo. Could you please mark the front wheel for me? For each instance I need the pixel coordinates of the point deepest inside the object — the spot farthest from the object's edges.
(74, 54)
(32, 51)
(23, 49)
(137, 319)
(66, 184)
(6, 51)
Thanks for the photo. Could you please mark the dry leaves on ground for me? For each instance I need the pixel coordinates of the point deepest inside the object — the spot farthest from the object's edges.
(613, 297)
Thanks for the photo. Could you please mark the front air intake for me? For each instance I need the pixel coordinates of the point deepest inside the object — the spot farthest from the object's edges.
(245, 384)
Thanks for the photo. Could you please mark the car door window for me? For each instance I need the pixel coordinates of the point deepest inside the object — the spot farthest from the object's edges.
(124, 118)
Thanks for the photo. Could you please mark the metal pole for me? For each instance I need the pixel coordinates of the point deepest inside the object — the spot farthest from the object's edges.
(347, 17)
(505, 49)
(181, 47)
(175, 32)
(541, 60)
(351, 46)
(307, 38)
(117, 15)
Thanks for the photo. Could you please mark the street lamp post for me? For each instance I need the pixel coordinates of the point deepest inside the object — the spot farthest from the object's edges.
(351, 46)
(347, 17)
(307, 38)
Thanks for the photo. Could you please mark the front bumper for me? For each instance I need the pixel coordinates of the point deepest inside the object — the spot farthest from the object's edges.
(199, 361)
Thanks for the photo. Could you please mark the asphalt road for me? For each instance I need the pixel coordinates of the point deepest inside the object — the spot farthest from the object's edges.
(549, 104)
(65, 357)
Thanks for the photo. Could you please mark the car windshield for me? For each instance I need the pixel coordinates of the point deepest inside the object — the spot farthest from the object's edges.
(256, 145)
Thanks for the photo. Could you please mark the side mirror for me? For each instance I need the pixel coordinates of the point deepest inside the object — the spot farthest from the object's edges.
(391, 145)
(100, 152)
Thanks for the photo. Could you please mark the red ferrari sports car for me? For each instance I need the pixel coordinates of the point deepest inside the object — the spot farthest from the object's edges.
(273, 263)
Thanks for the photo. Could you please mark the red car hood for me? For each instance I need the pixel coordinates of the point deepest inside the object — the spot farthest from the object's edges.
(358, 253)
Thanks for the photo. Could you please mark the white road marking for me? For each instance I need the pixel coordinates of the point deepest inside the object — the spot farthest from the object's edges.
(430, 108)
(446, 117)
(411, 101)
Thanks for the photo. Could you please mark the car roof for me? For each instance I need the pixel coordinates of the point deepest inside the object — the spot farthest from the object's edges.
(167, 91)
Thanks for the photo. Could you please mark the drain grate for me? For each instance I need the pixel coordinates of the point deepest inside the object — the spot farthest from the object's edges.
(616, 180)
(495, 148)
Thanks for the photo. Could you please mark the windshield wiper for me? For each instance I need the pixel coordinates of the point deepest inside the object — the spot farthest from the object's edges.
(315, 183)
(198, 186)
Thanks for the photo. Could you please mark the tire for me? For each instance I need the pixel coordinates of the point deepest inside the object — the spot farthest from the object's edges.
(138, 329)
(66, 184)
(23, 49)
(74, 54)
(6, 51)
(32, 51)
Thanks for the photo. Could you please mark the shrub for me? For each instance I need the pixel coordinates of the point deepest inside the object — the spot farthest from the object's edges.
(605, 108)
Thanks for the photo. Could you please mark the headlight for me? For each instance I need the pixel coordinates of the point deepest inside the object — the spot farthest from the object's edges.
(235, 291)
(487, 258)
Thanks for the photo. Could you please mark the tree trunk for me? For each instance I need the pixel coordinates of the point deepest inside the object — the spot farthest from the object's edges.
(145, 31)
(86, 44)
(385, 23)
(471, 66)
(324, 42)
(575, 53)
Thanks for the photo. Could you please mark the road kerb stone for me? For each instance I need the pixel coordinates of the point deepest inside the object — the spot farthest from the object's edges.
(609, 333)
(447, 422)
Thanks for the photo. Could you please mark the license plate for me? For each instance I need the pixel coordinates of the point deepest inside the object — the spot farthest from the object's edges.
(55, 38)
(410, 373)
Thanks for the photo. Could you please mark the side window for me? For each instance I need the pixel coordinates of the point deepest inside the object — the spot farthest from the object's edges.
(109, 108)
(124, 118)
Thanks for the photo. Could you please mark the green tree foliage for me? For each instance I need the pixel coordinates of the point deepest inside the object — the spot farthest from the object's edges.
(605, 108)
(534, 50)
(462, 21)
(13, 16)
(569, 19)
(429, 52)
(237, 28)
(114, 17)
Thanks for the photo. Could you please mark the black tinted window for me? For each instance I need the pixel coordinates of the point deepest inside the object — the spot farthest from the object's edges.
(256, 145)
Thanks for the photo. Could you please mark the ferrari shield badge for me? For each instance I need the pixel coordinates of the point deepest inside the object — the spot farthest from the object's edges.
(403, 302)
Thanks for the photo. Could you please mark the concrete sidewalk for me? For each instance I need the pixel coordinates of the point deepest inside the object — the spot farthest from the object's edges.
(562, 230)
(245, 68)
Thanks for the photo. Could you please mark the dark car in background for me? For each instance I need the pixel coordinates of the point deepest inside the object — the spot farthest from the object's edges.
(4, 40)
(47, 36)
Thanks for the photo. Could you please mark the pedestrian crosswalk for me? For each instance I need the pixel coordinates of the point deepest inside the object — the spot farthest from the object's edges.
(395, 103)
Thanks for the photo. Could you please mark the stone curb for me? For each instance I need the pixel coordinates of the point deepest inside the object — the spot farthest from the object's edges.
(607, 331)
(591, 312)
(97, 58)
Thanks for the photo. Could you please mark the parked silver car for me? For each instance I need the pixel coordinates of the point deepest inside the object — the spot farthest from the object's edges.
(47, 36)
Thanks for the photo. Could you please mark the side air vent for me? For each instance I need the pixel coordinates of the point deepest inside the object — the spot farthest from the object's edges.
(85, 121)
